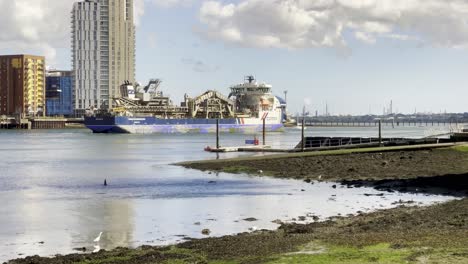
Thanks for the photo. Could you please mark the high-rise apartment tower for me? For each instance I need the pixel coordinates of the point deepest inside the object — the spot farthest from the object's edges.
(103, 51)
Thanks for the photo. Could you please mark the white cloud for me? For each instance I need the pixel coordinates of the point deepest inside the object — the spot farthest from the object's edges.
(199, 66)
(35, 26)
(138, 10)
(294, 24)
(40, 27)
(172, 3)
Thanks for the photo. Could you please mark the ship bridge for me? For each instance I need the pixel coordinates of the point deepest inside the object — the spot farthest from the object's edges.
(250, 86)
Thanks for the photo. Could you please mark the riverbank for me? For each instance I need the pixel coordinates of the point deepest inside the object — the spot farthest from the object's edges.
(434, 234)
(408, 162)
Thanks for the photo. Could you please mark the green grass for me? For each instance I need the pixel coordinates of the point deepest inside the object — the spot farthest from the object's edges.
(172, 255)
(462, 148)
(381, 253)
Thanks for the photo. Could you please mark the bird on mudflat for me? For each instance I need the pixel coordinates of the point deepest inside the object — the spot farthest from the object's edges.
(97, 239)
(96, 249)
(253, 228)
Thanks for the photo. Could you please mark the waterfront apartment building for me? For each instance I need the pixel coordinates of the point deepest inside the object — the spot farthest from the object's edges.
(103, 51)
(59, 93)
(22, 85)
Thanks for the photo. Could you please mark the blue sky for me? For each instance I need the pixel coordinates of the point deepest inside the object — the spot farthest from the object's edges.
(425, 78)
(356, 55)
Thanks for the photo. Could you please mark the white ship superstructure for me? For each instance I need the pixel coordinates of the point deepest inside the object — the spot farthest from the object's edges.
(255, 101)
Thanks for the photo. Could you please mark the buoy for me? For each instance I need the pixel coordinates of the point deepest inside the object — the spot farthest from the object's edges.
(208, 148)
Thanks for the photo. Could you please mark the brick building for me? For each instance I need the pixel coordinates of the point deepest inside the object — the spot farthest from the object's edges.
(22, 85)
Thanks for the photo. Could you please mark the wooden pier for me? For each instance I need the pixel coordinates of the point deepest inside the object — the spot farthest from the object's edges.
(33, 123)
(376, 123)
(239, 149)
(11, 123)
(46, 123)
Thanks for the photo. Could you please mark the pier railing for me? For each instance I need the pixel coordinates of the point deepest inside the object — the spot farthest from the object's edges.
(322, 142)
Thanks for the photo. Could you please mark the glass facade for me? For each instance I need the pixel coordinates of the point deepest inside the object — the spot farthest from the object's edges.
(59, 94)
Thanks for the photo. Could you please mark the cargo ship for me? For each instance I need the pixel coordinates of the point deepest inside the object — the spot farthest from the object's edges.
(143, 110)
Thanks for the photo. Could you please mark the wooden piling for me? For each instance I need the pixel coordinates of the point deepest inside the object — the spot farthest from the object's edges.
(302, 136)
(380, 132)
(264, 131)
(217, 133)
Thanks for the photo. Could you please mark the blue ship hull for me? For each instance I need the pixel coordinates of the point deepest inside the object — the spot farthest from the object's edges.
(148, 125)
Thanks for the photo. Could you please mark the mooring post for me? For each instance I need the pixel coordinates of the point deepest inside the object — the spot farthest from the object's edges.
(264, 131)
(380, 133)
(302, 136)
(217, 133)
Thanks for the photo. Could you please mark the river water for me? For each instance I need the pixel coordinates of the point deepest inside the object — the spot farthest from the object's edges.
(53, 198)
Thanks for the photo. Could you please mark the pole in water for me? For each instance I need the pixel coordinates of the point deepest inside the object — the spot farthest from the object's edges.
(380, 133)
(264, 126)
(217, 133)
(302, 135)
(105, 182)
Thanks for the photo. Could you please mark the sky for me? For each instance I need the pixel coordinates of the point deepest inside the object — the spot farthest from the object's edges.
(353, 55)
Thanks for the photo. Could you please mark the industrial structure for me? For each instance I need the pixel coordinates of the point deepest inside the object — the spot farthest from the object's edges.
(59, 93)
(22, 85)
(149, 100)
(251, 106)
(103, 51)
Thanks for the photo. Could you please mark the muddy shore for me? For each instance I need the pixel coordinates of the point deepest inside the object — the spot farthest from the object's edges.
(337, 166)
(407, 234)
(437, 233)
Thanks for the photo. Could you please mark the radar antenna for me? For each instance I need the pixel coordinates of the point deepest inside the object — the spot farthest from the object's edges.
(250, 78)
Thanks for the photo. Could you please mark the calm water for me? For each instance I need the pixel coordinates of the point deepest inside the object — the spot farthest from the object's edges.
(53, 200)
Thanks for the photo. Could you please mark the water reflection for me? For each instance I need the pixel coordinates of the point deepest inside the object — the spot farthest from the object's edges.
(115, 218)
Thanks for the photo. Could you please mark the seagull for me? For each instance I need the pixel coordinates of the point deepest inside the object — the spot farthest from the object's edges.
(98, 238)
(96, 249)
(260, 171)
